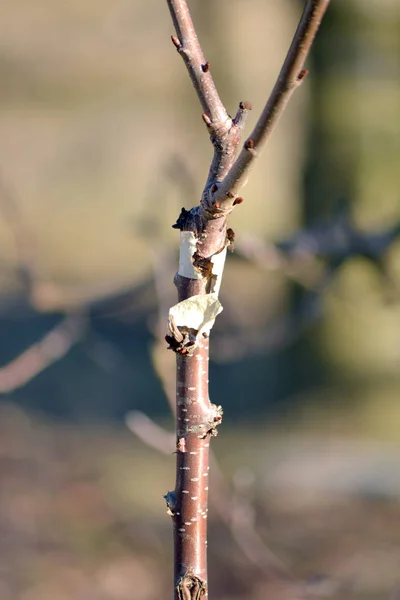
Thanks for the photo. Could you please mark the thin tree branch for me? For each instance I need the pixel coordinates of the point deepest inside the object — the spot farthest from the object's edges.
(225, 132)
(189, 48)
(289, 79)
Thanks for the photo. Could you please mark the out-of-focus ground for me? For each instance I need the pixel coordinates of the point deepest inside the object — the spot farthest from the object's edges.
(101, 143)
(82, 514)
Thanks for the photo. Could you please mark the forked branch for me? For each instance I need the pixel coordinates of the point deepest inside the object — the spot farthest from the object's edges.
(228, 176)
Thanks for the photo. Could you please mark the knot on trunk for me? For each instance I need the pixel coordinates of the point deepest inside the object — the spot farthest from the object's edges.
(182, 340)
(191, 587)
(189, 220)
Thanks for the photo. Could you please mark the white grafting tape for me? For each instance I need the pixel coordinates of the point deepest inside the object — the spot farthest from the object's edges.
(187, 248)
(218, 261)
(188, 243)
(198, 312)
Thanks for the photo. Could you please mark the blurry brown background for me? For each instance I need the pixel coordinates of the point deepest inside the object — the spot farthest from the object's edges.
(101, 143)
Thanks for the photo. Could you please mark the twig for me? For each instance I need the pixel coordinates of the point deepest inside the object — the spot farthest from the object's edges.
(225, 132)
(289, 79)
(41, 355)
(189, 48)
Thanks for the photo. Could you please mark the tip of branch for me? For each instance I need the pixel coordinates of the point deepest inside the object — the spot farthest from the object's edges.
(250, 147)
(303, 73)
(205, 67)
(241, 114)
(176, 42)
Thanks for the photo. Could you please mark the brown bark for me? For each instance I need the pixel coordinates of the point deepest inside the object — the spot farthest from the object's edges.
(196, 421)
(196, 417)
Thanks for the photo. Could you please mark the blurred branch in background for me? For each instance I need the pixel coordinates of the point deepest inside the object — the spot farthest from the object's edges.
(312, 258)
(72, 304)
(41, 355)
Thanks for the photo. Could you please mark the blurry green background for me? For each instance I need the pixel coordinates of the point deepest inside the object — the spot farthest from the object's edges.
(101, 143)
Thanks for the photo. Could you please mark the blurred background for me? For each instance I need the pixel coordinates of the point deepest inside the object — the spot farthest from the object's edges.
(101, 144)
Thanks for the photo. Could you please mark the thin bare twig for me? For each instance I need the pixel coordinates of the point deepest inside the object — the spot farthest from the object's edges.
(289, 79)
(189, 48)
(225, 132)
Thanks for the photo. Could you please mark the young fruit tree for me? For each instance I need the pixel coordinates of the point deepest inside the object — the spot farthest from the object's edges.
(204, 240)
